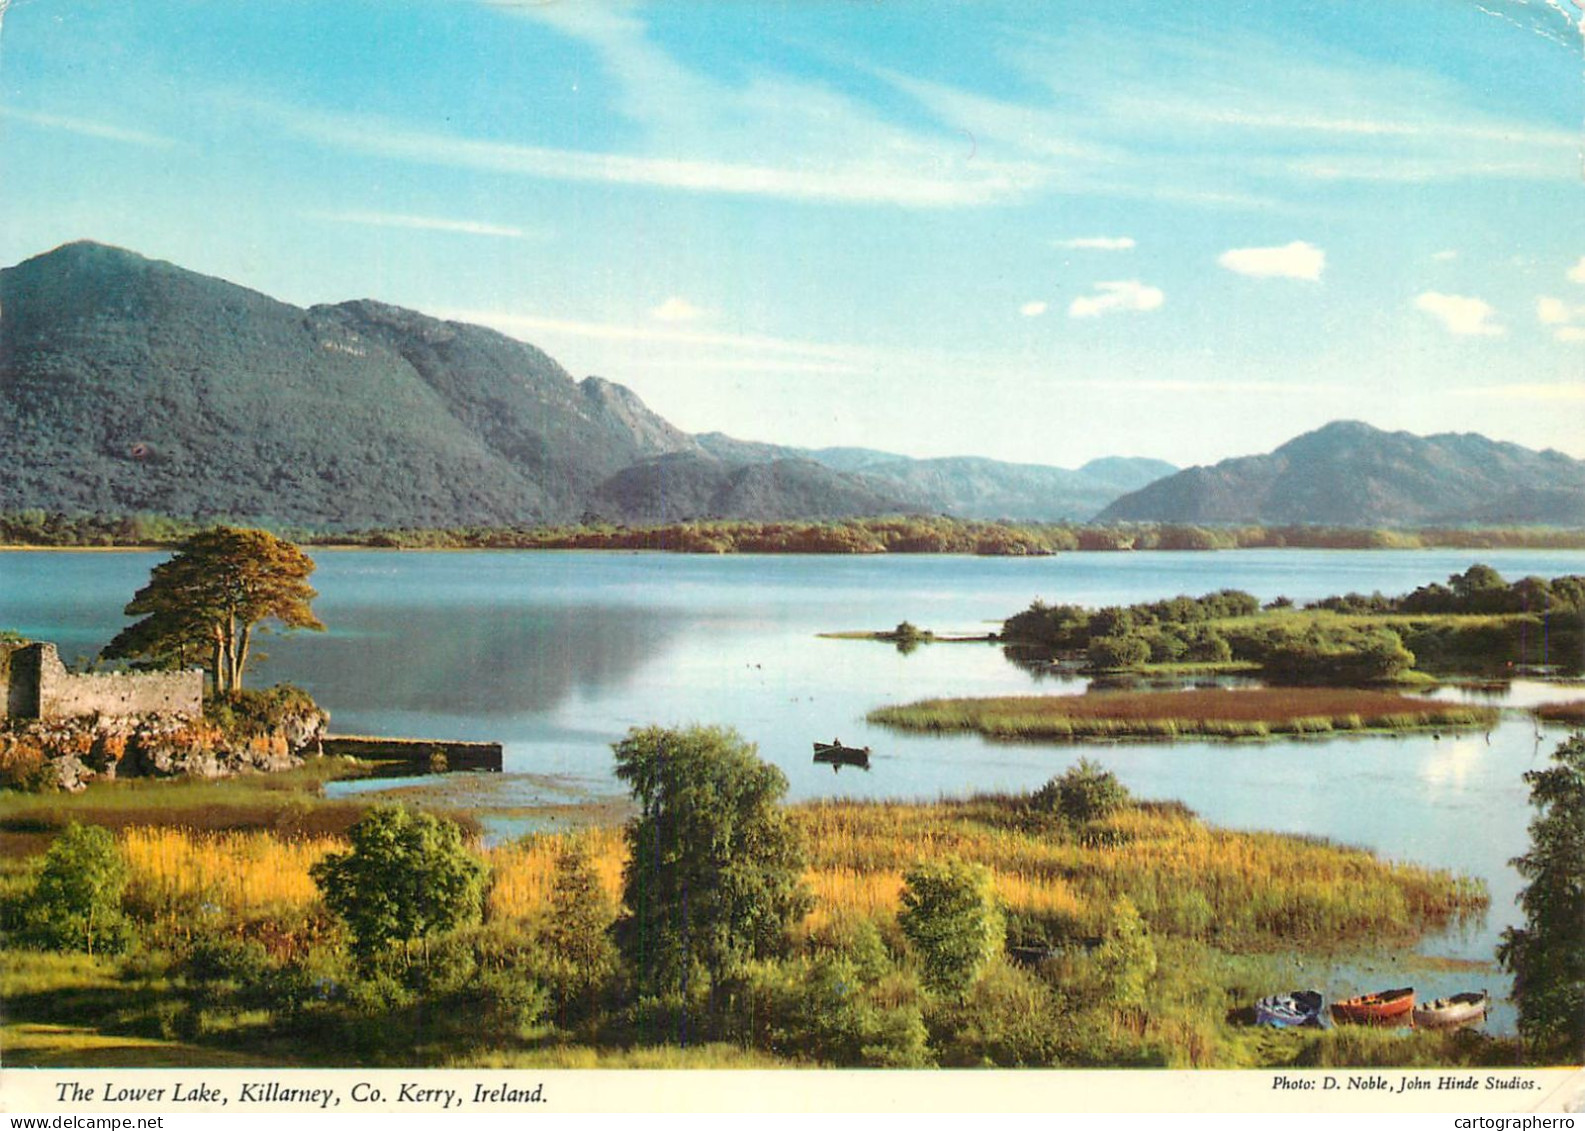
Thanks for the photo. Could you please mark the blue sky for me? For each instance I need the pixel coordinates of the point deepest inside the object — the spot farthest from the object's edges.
(1038, 232)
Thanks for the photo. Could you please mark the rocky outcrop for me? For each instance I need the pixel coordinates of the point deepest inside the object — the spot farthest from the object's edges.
(70, 753)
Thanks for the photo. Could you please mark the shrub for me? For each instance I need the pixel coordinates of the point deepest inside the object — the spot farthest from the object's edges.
(951, 918)
(75, 900)
(1086, 792)
(1129, 651)
(1126, 961)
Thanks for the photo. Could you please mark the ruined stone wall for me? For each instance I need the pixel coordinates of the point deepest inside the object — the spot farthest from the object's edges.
(39, 686)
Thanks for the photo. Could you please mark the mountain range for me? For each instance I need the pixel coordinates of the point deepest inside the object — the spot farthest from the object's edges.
(1350, 474)
(133, 385)
(129, 384)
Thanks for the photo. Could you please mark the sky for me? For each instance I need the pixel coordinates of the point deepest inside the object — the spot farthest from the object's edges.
(1042, 232)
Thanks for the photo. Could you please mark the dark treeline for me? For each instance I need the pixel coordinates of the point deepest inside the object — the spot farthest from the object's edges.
(895, 535)
(1477, 622)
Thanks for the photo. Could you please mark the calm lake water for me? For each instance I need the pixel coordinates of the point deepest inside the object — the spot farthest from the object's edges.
(556, 655)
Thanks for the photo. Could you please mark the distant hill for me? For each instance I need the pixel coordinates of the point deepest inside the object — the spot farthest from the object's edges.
(1350, 474)
(969, 486)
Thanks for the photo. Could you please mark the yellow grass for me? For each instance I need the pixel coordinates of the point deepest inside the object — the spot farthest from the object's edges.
(523, 875)
(248, 875)
(1185, 877)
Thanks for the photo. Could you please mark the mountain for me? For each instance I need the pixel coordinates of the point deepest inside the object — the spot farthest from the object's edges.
(682, 486)
(1350, 474)
(968, 486)
(129, 384)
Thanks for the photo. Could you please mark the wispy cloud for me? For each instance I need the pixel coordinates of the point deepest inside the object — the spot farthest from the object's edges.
(882, 178)
(1032, 309)
(1115, 297)
(1097, 243)
(1445, 256)
(1462, 315)
(420, 223)
(1560, 391)
(1576, 273)
(515, 324)
(85, 127)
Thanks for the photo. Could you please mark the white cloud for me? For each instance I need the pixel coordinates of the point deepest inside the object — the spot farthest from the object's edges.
(1297, 260)
(1445, 256)
(83, 127)
(1576, 273)
(1032, 309)
(420, 223)
(1552, 311)
(1099, 243)
(1462, 315)
(1568, 322)
(678, 309)
(1128, 294)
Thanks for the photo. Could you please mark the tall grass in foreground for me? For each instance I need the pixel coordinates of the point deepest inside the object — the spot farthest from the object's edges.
(1251, 890)
(1237, 713)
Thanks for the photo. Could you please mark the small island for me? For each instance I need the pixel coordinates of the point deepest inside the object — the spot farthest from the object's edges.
(1234, 713)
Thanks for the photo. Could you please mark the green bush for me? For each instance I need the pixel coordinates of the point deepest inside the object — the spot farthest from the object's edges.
(1009, 1019)
(74, 902)
(1107, 652)
(951, 919)
(407, 876)
(1085, 792)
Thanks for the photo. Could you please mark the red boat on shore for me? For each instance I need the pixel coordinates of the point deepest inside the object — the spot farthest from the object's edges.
(1389, 1007)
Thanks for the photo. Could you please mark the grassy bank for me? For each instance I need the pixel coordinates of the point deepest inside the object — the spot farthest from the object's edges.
(1238, 713)
(239, 962)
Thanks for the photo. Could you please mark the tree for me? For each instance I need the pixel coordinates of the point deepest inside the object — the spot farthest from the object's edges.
(714, 871)
(407, 876)
(951, 918)
(202, 605)
(1547, 955)
(75, 901)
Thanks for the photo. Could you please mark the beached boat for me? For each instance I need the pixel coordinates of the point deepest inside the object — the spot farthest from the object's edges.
(835, 755)
(1459, 1009)
(1288, 1011)
(1389, 1007)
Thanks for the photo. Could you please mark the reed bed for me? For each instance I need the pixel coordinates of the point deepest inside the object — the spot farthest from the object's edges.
(1188, 879)
(523, 874)
(1571, 712)
(247, 875)
(1220, 713)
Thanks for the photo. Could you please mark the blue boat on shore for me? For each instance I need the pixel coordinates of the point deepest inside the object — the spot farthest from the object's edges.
(1290, 1011)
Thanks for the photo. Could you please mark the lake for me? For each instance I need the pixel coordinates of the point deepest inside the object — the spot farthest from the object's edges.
(557, 654)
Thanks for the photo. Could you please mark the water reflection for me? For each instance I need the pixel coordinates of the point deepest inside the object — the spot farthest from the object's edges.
(486, 660)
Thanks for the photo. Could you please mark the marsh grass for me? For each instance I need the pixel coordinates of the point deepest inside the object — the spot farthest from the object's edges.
(1237, 713)
(1570, 712)
(1226, 913)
